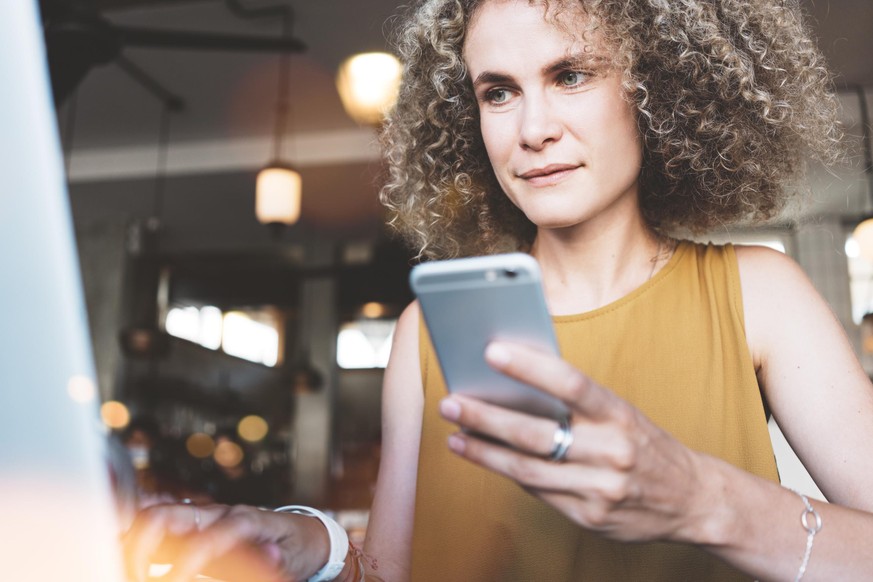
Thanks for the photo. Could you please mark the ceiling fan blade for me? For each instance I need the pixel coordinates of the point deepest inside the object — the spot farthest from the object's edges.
(152, 38)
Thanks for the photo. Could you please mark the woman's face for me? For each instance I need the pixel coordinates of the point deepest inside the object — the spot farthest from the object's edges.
(561, 138)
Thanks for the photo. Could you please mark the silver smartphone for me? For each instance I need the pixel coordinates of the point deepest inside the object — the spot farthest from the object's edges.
(469, 302)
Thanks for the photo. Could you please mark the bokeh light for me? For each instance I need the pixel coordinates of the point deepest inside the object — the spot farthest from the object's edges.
(373, 310)
(200, 445)
(252, 428)
(228, 454)
(368, 84)
(81, 389)
(115, 414)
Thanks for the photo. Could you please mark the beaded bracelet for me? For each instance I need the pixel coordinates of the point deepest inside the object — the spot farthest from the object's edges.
(811, 530)
(358, 572)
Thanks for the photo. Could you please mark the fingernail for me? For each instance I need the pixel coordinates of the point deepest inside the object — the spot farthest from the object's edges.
(457, 443)
(497, 354)
(450, 409)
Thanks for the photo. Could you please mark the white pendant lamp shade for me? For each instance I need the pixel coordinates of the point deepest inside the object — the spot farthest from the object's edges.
(368, 84)
(863, 235)
(277, 195)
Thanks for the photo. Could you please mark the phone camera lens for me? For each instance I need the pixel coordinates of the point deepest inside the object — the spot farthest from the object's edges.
(510, 273)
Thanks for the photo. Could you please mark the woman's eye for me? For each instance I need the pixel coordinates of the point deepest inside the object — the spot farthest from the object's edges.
(571, 78)
(497, 96)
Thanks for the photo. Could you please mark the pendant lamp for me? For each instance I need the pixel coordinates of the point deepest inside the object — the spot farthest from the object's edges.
(278, 189)
(277, 194)
(368, 84)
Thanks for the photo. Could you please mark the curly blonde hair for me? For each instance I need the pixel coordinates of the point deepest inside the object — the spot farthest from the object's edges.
(732, 97)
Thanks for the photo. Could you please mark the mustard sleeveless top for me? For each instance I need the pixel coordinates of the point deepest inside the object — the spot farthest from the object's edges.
(675, 348)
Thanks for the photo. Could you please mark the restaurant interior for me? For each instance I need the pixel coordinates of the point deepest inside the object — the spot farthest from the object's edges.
(240, 340)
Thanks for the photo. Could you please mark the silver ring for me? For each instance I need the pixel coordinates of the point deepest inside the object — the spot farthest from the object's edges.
(196, 509)
(562, 440)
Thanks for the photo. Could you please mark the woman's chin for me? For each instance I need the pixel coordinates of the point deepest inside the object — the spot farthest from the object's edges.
(554, 220)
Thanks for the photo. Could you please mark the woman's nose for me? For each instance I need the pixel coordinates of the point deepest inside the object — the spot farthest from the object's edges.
(539, 124)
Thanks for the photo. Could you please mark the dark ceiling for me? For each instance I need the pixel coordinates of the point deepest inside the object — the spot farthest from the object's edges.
(230, 93)
(230, 96)
(227, 93)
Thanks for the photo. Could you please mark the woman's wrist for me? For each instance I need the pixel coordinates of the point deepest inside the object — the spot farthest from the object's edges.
(711, 516)
(330, 550)
(302, 550)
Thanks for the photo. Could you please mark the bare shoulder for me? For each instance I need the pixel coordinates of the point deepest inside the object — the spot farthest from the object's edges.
(403, 375)
(762, 266)
(778, 297)
(407, 324)
(404, 347)
(809, 372)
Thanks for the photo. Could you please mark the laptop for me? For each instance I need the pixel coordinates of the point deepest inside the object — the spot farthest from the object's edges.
(57, 512)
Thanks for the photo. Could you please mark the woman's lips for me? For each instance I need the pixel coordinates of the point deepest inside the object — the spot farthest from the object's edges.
(548, 175)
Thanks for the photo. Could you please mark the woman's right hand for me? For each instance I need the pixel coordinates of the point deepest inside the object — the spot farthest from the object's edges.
(233, 543)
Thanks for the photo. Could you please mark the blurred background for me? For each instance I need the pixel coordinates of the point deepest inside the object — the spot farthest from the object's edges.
(240, 352)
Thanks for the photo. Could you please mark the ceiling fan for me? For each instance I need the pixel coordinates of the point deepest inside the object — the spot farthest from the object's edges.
(78, 37)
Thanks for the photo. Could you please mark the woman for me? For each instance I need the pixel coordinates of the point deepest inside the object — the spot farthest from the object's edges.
(587, 133)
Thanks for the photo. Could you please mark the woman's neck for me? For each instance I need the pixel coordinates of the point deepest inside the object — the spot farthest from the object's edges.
(587, 268)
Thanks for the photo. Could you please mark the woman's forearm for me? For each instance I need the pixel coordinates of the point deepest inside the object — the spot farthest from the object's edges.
(755, 525)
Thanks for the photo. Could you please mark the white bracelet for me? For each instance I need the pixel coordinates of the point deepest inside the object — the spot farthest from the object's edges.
(339, 542)
(811, 530)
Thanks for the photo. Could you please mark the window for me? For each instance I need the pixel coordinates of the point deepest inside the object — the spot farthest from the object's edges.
(253, 335)
(199, 325)
(365, 342)
(245, 337)
(860, 281)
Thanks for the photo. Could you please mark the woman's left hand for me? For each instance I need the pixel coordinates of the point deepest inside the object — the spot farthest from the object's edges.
(622, 476)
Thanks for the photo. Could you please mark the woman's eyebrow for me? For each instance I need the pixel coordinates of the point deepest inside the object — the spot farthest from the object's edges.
(581, 60)
(575, 61)
(490, 78)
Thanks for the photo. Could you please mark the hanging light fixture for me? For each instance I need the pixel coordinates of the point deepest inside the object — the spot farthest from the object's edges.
(863, 233)
(368, 84)
(144, 337)
(277, 194)
(278, 189)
